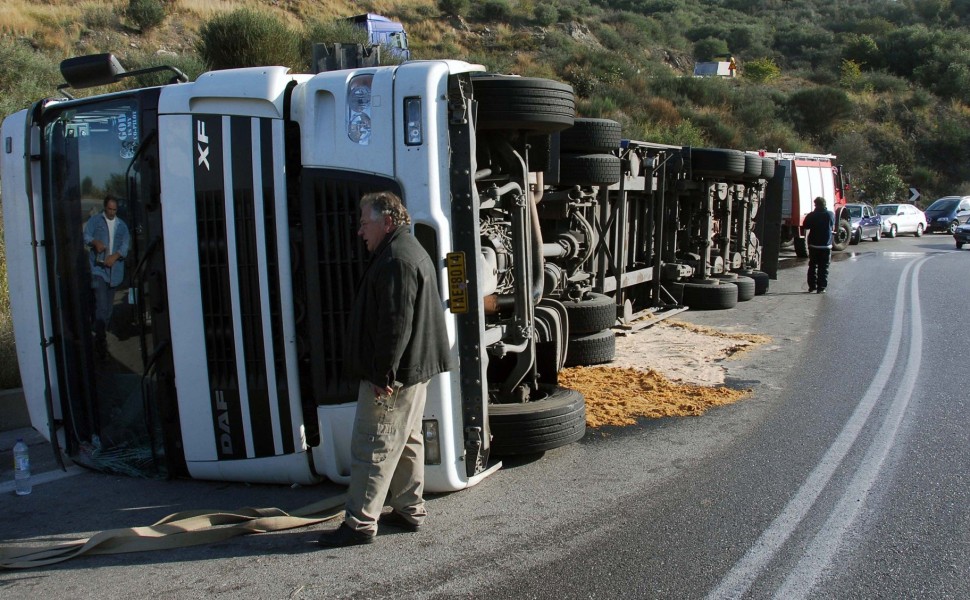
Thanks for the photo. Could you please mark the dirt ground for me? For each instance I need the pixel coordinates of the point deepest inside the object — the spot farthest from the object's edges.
(671, 368)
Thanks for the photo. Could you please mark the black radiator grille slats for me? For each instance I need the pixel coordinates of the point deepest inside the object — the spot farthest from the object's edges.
(247, 269)
(217, 267)
(275, 303)
(333, 261)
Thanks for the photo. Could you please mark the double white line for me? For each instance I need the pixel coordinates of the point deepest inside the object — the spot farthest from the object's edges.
(819, 553)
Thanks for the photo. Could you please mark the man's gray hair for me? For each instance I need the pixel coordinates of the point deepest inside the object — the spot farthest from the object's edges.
(387, 204)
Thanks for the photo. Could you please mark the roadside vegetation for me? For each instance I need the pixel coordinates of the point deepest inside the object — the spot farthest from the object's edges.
(882, 84)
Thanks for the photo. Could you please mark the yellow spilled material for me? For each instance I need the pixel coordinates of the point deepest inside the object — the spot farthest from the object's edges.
(618, 396)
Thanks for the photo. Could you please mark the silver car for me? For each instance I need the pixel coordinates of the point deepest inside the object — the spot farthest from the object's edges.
(901, 218)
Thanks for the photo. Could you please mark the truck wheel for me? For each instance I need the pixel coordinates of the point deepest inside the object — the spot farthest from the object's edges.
(716, 162)
(523, 103)
(710, 296)
(842, 236)
(591, 135)
(594, 313)
(767, 168)
(556, 418)
(595, 349)
(746, 288)
(589, 169)
(761, 281)
(752, 166)
(801, 247)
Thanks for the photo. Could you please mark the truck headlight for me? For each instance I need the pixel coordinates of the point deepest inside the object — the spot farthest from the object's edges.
(432, 442)
(359, 109)
(413, 122)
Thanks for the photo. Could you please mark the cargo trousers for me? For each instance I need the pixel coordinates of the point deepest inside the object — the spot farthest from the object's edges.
(387, 457)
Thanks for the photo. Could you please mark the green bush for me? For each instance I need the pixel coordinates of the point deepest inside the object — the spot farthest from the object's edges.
(248, 38)
(761, 70)
(815, 110)
(492, 10)
(145, 14)
(99, 17)
(455, 8)
(546, 15)
(707, 48)
(16, 59)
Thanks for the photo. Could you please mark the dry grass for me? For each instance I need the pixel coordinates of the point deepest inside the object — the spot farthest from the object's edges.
(9, 374)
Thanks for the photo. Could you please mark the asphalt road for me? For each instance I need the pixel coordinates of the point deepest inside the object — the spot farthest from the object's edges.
(844, 475)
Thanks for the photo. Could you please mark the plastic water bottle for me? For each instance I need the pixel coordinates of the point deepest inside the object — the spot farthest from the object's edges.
(21, 466)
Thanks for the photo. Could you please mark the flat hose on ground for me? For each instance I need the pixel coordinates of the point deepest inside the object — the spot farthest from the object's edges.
(180, 530)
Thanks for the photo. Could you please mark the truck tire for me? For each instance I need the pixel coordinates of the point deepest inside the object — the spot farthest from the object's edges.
(801, 247)
(556, 419)
(843, 235)
(591, 135)
(752, 166)
(761, 281)
(744, 284)
(710, 296)
(523, 103)
(595, 312)
(767, 168)
(587, 350)
(589, 169)
(716, 162)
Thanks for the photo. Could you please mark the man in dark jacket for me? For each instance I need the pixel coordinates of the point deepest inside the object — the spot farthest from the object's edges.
(396, 342)
(820, 224)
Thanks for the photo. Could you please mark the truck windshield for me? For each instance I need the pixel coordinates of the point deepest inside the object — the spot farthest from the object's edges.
(96, 232)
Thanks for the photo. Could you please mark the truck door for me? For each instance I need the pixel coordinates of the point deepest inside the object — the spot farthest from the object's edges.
(112, 364)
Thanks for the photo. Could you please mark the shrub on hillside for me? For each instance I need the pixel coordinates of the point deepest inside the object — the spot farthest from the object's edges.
(815, 110)
(16, 59)
(248, 38)
(761, 70)
(546, 15)
(455, 8)
(492, 10)
(707, 48)
(145, 14)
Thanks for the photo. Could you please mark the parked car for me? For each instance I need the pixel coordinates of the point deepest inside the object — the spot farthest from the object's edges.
(901, 218)
(961, 233)
(946, 213)
(865, 223)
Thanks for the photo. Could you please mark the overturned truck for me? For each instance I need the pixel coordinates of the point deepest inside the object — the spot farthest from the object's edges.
(240, 190)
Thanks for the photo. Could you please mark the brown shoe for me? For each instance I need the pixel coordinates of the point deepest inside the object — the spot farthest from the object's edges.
(396, 519)
(344, 536)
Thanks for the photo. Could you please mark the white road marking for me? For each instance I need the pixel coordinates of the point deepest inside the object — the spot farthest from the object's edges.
(8, 487)
(740, 578)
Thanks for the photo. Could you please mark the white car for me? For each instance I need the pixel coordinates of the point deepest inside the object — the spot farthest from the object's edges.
(901, 218)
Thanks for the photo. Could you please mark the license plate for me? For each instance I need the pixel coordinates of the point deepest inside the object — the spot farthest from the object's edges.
(457, 283)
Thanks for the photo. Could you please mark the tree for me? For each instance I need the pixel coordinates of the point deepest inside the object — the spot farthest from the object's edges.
(707, 48)
(884, 184)
(816, 110)
(761, 70)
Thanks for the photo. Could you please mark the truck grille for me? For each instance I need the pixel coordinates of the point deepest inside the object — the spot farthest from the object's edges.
(331, 262)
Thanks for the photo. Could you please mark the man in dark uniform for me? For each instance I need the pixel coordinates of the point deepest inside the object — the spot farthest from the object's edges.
(820, 224)
(396, 342)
